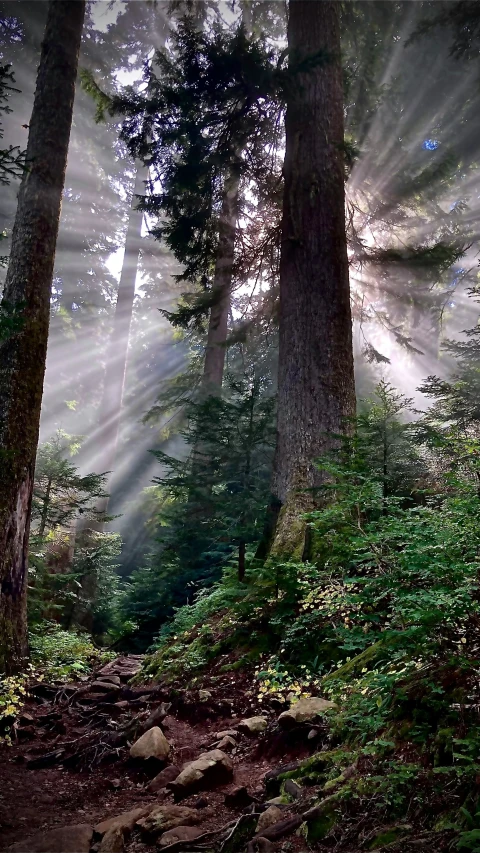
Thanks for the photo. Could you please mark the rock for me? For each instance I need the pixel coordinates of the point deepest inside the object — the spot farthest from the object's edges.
(271, 816)
(26, 732)
(112, 842)
(313, 734)
(226, 733)
(253, 725)
(304, 711)
(25, 719)
(210, 768)
(110, 679)
(115, 783)
(291, 787)
(152, 744)
(204, 695)
(124, 667)
(107, 686)
(162, 818)
(181, 833)
(122, 705)
(163, 778)
(201, 803)
(239, 798)
(93, 697)
(260, 845)
(156, 717)
(125, 821)
(64, 839)
(277, 801)
(226, 743)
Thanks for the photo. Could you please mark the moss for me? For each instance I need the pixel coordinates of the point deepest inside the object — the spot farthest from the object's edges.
(443, 753)
(333, 783)
(321, 826)
(388, 836)
(289, 541)
(360, 660)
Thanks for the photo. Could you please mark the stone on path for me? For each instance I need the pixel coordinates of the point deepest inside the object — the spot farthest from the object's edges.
(161, 780)
(110, 679)
(64, 839)
(209, 769)
(304, 711)
(226, 744)
(204, 695)
(112, 842)
(124, 667)
(253, 725)
(181, 833)
(107, 686)
(272, 815)
(238, 798)
(227, 733)
(125, 821)
(162, 818)
(152, 744)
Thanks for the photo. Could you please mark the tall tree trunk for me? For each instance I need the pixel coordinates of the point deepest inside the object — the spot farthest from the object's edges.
(105, 436)
(222, 289)
(316, 391)
(104, 440)
(27, 290)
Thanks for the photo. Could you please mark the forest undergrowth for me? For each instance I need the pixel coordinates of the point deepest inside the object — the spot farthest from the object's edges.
(384, 621)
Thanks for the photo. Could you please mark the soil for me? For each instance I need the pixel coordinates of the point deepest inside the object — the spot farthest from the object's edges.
(91, 778)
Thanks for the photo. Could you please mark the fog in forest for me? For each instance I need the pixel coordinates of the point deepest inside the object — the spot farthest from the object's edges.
(414, 182)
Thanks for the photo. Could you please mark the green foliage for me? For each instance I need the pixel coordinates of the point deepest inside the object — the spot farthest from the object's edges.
(60, 654)
(71, 565)
(210, 113)
(12, 696)
(211, 501)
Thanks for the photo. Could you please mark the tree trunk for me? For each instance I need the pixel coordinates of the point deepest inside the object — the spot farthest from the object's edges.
(316, 393)
(222, 289)
(27, 291)
(103, 442)
(105, 436)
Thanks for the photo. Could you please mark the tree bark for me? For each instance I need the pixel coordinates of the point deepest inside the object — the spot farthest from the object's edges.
(105, 436)
(27, 290)
(215, 351)
(316, 393)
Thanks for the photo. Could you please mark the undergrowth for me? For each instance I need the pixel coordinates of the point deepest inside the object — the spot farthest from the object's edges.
(386, 623)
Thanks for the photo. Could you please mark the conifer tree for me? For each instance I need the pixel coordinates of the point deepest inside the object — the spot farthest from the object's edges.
(27, 290)
(316, 392)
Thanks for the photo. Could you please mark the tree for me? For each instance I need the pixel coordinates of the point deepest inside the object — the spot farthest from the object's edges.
(316, 392)
(60, 496)
(105, 437)
(27, 289)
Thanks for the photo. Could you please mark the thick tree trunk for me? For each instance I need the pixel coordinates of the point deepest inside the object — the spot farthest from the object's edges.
(316, 393)
(105, 437)
(222, 290)
(27, 290)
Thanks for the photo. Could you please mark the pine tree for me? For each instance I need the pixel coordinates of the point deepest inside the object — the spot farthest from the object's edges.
(27, 288)
(316, 392)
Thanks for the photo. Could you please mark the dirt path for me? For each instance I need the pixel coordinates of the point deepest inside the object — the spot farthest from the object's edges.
(71, 762)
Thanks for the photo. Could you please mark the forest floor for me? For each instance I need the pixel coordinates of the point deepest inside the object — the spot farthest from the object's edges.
(68, 765)
(69, 769)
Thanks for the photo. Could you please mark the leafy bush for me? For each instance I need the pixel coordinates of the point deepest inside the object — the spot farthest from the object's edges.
(60, 654)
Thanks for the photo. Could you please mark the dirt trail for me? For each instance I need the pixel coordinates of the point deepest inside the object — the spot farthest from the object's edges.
(70, 764)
